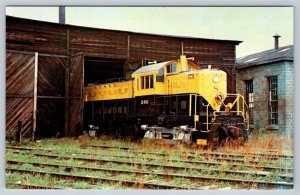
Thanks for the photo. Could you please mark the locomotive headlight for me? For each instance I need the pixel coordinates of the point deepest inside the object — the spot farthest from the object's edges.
(216, 78)
(219, 98)
(183, 127)
(144, 127)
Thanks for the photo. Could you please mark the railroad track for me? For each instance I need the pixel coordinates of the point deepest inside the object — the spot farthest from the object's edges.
(234, 158)
(194, 178)
(268, 155)
(93, 179)
(215, 173)
(287, 180)
(32, 186)
(209, 163)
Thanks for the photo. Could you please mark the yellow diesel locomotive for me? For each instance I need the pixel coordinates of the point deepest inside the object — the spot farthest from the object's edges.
(169, 100)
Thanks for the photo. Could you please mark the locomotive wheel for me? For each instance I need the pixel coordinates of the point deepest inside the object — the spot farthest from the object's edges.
(236, 136)
(243, 136)
(218, 136)
(244, 132)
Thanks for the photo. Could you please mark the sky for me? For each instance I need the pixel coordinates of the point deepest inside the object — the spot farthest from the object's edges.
(255, 26)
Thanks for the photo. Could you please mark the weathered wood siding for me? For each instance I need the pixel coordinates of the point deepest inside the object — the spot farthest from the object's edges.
(19, 92)
(51, 92)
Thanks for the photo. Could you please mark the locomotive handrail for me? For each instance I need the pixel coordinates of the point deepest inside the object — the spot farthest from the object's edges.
(206, 115)
(244, 113)
(117, 79)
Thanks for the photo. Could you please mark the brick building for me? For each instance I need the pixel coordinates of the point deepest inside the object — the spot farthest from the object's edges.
(266, 80)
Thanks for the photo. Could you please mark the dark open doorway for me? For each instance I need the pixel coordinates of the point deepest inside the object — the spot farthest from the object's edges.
(97, 70)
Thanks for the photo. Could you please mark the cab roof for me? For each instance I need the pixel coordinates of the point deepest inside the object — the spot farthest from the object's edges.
(150, 68)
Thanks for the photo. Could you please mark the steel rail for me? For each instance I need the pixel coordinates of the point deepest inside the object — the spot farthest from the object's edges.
(92, 179)
(134, 150)
(32, 186)
(222, 159)
(199, 152)
(256, 167)
(236, 162)
(243, 160)
(217, 171)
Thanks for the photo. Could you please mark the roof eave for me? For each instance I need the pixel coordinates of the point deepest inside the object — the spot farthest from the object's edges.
(241, 66)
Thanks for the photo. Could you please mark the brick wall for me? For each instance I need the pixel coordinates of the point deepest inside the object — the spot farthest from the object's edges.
(289, 96)
(284, 72)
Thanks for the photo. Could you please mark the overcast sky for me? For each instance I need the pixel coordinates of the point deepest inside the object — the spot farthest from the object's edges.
(255, 26)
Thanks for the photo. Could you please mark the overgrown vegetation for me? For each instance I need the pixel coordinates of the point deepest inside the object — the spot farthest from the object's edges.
(142, 153)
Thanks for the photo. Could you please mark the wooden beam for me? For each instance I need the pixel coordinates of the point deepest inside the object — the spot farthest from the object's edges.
(67, 83)
(128, 46)
(35, 93)
(182, 50)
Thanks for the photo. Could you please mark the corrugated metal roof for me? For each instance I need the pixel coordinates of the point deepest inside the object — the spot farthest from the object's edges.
(268, 56)
(152, 67)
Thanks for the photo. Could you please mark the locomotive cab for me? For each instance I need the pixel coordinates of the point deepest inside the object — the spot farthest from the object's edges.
(178, 78)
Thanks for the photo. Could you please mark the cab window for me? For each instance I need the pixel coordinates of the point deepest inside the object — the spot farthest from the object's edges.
(171, 68)
(160, 75)
(147, 82)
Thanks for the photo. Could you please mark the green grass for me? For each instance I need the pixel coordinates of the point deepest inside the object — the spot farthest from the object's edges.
(241, 167)
(223, 184)
(71, 147)
(153, 177)
(102, 186)
(126, 167)
(13, 177)
(45, 180)
(81, 185)
(124, 177)
(180, 181)
(272, 177)
(26, 166)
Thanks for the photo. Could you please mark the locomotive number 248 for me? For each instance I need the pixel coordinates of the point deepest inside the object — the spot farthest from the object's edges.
(144, 101)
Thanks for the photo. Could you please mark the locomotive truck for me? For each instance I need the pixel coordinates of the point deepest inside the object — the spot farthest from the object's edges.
(174, 100)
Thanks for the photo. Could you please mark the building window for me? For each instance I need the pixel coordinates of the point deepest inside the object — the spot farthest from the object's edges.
(273, 101)
(171, 68)
(250, 98)
(147, 82)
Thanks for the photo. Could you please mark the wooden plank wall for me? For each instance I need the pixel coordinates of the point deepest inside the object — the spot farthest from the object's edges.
(27, 35)
(51, 92)
(75, 96)
(43, 37)
(19, 92)
(101, 43)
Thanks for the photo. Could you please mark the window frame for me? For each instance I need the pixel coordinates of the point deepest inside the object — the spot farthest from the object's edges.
(249, 91)
(273, 100)
(160, 75)
(171, 68)
(147, 82)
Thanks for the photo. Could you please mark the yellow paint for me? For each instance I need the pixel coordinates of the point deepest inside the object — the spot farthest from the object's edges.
(109, 91)
(186, 79)
(202, 142)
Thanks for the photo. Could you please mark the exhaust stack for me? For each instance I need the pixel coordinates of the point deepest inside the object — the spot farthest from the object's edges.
(276, 41)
